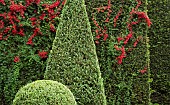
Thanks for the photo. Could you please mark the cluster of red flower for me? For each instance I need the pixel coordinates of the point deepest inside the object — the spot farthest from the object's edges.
(29, 2)
(122, 55)
(141, 15)
(16, 59)
(35, 32)
(143, 70)
(50, 10)
(2, 1)
(117, 16)
(103, 31)
(42, 54)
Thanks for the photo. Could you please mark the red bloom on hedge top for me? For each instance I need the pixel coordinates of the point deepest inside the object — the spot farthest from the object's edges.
(43, 54)
(16, 59)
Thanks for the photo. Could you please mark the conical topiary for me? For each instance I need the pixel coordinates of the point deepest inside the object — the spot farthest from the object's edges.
(73, 60)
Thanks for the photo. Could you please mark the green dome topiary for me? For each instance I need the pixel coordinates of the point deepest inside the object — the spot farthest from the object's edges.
(44, 92)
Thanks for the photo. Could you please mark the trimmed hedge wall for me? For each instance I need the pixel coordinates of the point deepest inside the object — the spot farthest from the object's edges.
(44, 92)
(15, 32)
(160, 51)
(123, 83)
(72, 60)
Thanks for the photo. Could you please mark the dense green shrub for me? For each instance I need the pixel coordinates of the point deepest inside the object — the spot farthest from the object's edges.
(124, 83)
(44, 92)
(15, 32)
(72, 60)
(160, 51)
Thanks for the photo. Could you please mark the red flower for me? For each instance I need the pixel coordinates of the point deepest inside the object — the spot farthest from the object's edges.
(97, 31)
(139, 3)
(143, 15)
(36, 31)
(119, 39)
(109, 4)
(105, 37)
(1, 36)
(54, 5)
(134, 23)
(52, 28)
(2, 1)
(64, 1)
(14, 31)
(37, 1)
(43, 54)
(137, 40)
(120, 59)
(33, 19)
(107, 20)
(123, 54)
(16, 59)
(135, 43)
(143, 71)
(117, 16)
(127, 38)
(1, 24)
(21, 32)
(42, 16)
(17, 8)
(28, 2)
(3, 15)
(97, 42)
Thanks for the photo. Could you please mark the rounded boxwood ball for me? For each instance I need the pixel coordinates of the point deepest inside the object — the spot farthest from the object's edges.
(44, 92)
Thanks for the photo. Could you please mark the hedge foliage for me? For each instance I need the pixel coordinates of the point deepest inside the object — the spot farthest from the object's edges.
(44, 92)
(123, 83)
(72, 60)
(160, 51)
(15, 31)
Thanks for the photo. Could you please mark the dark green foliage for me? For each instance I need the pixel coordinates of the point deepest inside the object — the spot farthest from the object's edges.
(72, 60)
(159, 35)
(123, 83)
(44, 92)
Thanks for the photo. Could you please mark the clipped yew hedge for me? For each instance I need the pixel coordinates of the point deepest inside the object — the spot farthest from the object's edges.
(73, 60)
(160, 51)
(44, 92)
(126, 83)
(27, 30)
